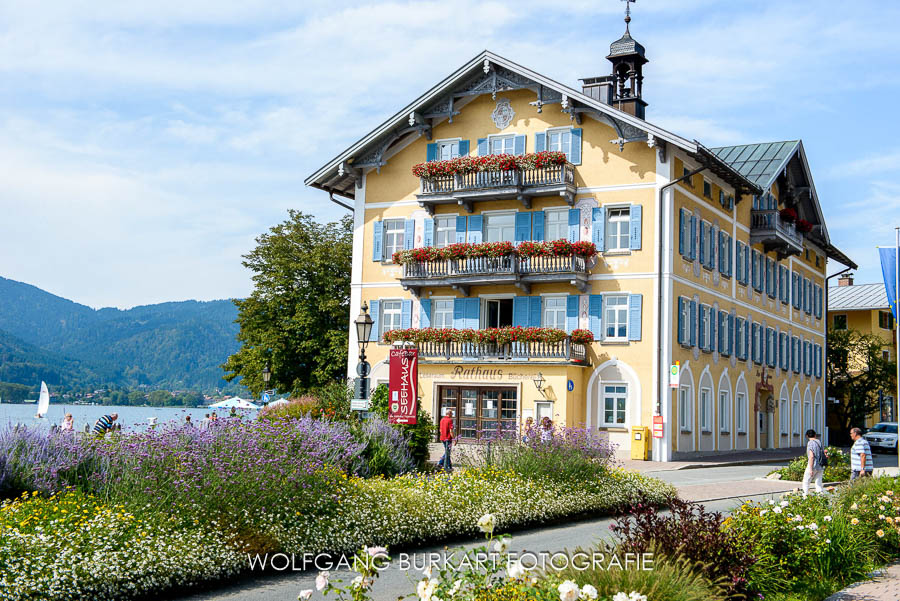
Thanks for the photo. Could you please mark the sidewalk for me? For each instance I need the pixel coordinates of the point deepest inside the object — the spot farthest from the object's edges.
(884, 587)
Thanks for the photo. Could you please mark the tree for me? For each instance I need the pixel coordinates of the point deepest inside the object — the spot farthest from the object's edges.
(298, 314)
(856, 372)
(160, 398)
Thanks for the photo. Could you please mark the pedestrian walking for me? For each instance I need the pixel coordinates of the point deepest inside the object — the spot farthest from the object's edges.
(446, 427)
(861, 463)
(105, 423)
(815, 463)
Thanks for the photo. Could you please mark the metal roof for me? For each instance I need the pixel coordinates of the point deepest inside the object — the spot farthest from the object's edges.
(857, 298)
(760, 163)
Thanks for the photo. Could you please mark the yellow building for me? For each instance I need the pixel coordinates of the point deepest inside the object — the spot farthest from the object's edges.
(700, 260)
(865, 308)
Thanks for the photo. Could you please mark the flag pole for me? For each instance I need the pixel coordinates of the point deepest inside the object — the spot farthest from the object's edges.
(897, 328)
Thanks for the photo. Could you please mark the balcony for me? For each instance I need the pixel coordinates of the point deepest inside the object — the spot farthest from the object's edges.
(522, 184)
(522, 272)
(768, 228)
(564, 350)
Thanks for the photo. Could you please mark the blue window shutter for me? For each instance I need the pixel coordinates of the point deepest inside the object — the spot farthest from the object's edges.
(713, 330)
(598, 228)
(428, 237)
(374, 311)
(818, 360)
(459, 313)
(537, 226)
(693, 237)
(483, 147)
(634, 316)
(473, 312)
(682, 231)
(540, 141)
(754, 269)
(523, 227)
(409, 234)
(723, 254)
(730, 256)
(425, 313)
(574, 219)
(571, 313)
(635, 223)
(702, 243)
(520, 311)
(575, 155)
(746, 263)
(476, 223)
(595, 312)
(732, 348)
(431, 152)
(701, 329)
(693, 324)
(463, 148)
(460, 229)
(377, 241)
(721, 329)
(519, 144)
(534, 311)
(680, 320)
(739, 262)
(406, 314)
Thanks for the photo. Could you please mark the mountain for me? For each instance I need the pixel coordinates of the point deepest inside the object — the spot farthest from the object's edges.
(167, 345)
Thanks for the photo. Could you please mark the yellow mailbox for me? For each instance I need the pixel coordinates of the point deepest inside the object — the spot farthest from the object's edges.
(640, 443)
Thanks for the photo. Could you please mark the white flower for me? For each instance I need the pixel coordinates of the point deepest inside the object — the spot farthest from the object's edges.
(828, 540)
(777, 509)
(428, 570)
(771, 501)
(486, 523)
(854, 507)
(376, 551)
(784, 503)
(827, 518)
(501, 546)
(636, 596)
(797, 518)
(357, 582)
(813, 526)
(620, 597)
(800, 527)
(321, 580)
(455, 588)
(425, 589)
(568, 591)
(588, 592)
(763, 512)
(515, 570)
(305, 595)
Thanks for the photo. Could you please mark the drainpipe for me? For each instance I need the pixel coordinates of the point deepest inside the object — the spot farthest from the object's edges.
(663, 384)
(338, 202)
(825, 434)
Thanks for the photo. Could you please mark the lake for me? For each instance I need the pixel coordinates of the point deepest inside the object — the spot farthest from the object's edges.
(131, 418)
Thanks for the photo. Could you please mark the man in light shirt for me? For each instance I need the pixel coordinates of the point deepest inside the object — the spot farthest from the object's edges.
(860, 455)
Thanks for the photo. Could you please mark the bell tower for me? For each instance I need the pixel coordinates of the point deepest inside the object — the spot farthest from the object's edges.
(622, 89)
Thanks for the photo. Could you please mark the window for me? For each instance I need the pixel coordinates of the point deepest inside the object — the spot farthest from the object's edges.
(684, 409)
(885, 320)
(555, 312)
(560, 140)
(724, 410)
(617, 229)
(482, 411)
(795, 417)
(556, 225)
(886, 354)
(498, 312)
(706, 328)
(393, 236)
(807, 416)
(448, 149)
(740, 339)
(390, 315)
(616, 315)
(503, 144)
(500, 227)
(840, 322)
(685, 322)
(614, 398)
(817, 425)
(741, 408)
(705, 410)
(542, 409)
(444, 231)
(442, 313)
(689, 181)
(783, 416)
(707, 189)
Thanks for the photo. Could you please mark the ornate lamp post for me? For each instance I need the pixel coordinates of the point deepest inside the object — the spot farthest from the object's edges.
(539, 383)
(266, 376)
(363, 331)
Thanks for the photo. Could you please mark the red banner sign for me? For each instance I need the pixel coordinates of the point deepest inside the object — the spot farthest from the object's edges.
(657, 426)
(403, 386)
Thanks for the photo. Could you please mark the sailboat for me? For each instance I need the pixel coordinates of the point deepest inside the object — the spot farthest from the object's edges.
(43, 402)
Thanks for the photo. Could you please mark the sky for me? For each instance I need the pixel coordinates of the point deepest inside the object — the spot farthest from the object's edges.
(145, 145)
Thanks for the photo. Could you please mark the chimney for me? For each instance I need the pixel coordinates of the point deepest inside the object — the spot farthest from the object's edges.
(845, 280)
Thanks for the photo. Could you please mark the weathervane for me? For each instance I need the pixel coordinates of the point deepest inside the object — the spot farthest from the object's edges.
(628, 4)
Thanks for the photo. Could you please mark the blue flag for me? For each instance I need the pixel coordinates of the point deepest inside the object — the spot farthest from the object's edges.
(889, 270)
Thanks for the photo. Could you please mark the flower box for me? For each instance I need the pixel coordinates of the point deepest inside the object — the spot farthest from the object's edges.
(788, 214)
(498, 336)
(490, 162)
(556, 248)
(804, 226)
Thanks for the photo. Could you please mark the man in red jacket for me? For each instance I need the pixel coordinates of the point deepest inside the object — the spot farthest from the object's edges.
(446, 428)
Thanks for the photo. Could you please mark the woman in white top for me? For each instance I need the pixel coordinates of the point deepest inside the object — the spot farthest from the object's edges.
(68, 424)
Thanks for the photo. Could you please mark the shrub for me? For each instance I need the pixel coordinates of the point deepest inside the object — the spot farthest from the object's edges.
(418, 435)
(689, 531)
(838, 468)
(875, 503)
(305, 406)
(387, 451)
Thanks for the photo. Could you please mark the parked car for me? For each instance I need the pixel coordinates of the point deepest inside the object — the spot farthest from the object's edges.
(882, 436)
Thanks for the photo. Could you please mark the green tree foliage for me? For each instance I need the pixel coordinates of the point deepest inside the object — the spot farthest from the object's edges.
(298, 314)
(856, 372)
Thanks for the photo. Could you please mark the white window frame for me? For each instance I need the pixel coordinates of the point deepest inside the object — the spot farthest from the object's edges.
(795, 417)
(614, 396)
(562, 225)
(487, 215)
(439, 144)
(807, 415)
(705, 316)
(434, 312)
(741, 417)
(686, 321)
(450, 230)
(724, 411)
(539, 410)
(509, 136)
(740, 338)
(606, 320)
(383, 322)
(622, 239)
(388, 252)
(485, 299)
(545, 306)
(560, 130)
(783, 416)
(685, 409)
(706, 410)
(817, 418)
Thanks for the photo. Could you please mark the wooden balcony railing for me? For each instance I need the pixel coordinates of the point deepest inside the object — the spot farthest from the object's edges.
(564, 350)
(480, 266)
(768, 227)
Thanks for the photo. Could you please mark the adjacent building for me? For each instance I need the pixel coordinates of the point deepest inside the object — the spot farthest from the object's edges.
(713, 259)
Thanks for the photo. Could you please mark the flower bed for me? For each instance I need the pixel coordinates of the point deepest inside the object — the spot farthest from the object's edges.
(487, 335)
(490, 162)
(462, 250)
(838, 468)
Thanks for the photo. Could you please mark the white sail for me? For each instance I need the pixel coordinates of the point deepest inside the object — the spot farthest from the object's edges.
(44, 401)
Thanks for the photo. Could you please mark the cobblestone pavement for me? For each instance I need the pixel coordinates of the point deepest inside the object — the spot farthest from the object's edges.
(884, 587)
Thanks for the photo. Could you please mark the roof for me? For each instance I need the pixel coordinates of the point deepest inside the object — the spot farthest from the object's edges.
(625, 45)
(485, 73)
(760, 163)
(857, 298)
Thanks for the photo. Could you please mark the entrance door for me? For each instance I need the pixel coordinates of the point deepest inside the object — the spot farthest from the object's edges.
(481, 411)
(762, 423)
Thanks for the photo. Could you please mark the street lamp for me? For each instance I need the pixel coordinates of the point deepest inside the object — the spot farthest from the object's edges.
(539, 383)
(266, 374)
(363, 331)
